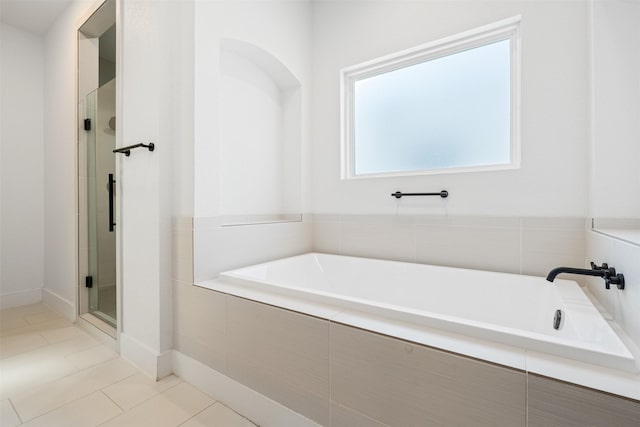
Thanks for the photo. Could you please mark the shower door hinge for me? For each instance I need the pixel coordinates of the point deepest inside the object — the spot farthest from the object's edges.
(88, 281)
(87, 124)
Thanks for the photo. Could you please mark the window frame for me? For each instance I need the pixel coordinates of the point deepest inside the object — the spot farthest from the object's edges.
(508, 29)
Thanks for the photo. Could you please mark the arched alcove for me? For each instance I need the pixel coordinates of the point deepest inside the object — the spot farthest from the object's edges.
(260, 103)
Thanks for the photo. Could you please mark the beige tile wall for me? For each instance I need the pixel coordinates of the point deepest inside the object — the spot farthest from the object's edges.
(399, 383)
(506, 244)
(199, 327)
(554, 403)
(281, 354)
(199, 316)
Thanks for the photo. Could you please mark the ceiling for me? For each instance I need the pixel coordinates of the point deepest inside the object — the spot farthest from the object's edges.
(35, 16)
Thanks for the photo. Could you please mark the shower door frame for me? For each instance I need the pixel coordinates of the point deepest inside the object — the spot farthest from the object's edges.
(82, 312)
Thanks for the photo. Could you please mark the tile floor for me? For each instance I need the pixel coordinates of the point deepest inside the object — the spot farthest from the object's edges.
(52, 374)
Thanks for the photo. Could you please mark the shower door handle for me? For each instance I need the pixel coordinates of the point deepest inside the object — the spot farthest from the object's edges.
(111, 189)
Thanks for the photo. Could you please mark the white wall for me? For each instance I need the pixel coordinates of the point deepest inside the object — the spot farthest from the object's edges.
(21, 167)
(615, 187)
(555, 95)
(616, 109)
(156, 101)
(60, 172)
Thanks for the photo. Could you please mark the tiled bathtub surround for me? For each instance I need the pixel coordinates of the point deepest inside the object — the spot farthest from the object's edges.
(338, 375)
(507, 244)
(528, 245)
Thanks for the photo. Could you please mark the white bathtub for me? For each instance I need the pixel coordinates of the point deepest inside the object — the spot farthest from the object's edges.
(509, 309)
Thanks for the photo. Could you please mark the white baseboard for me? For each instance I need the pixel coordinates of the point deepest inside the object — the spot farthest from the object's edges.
(253, 405)
(154, 364)
(16, 299)
(61, 305)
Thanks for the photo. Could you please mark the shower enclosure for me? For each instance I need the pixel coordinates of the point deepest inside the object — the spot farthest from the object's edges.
(97, 172)
(99, 125)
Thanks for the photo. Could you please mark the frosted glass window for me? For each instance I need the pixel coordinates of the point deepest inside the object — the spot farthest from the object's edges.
(444, 113)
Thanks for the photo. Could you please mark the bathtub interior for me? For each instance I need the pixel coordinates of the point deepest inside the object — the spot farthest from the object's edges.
(508, 308)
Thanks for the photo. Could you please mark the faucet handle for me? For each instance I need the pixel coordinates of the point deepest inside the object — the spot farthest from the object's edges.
(613, 278)
(604, 266)
(616, 279)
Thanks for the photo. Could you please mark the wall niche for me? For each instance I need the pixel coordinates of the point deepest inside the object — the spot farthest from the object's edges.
(260, 137)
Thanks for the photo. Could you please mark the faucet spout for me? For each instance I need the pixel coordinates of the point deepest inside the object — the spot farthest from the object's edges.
(570, 270)
(607, 273)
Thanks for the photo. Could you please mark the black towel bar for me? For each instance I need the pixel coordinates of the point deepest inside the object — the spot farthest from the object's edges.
(398, 194)
(127, 150)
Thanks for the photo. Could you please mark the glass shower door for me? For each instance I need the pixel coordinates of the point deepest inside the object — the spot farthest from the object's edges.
(101, 198)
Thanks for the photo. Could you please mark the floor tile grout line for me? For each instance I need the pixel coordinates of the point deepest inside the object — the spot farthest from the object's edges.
(23, 352)
(47, 384)
(116, 415)
(15, 410)
(119, 381)
(67, 339)
(142, 401)
(44, 322)
(56, 316)
(58, 407)
(98, 345)
(104, 362)
(124, 411)
(23, 319)
(12, 332)
(48, 343)
(175, 385)
(231, 409)
(28, 324)
(74, 400)
(75, 370)
(116, 382)
(114, 402)
(215, 402)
